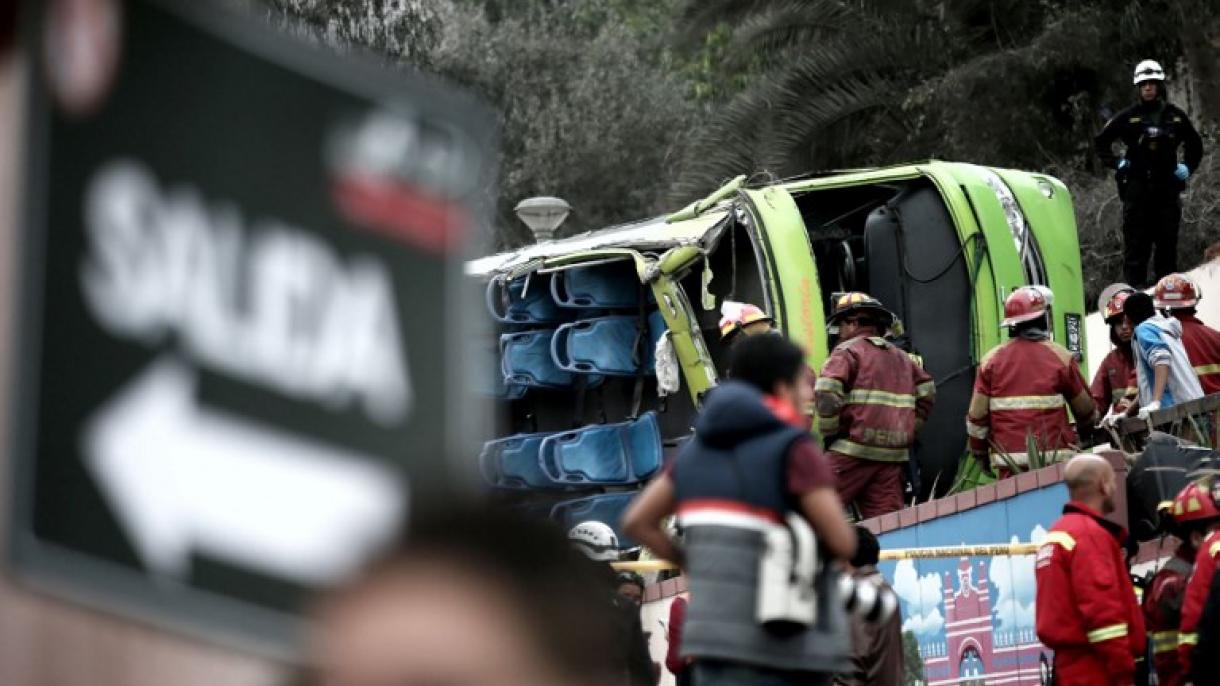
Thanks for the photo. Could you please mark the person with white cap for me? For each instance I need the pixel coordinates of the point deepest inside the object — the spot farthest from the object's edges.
(1150, 173)
(598, 542)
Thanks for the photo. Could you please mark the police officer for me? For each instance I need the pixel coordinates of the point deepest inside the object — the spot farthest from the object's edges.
(1149, 173)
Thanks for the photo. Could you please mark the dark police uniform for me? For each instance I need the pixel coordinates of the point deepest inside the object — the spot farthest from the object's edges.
(1152, 133)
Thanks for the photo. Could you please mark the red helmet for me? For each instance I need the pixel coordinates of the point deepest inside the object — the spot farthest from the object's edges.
(737, 315)
(1114, 306)
(1024, 304)
(1175, 292)
(1195, 503)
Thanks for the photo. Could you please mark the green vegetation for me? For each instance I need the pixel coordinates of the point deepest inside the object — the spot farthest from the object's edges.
(626, 107)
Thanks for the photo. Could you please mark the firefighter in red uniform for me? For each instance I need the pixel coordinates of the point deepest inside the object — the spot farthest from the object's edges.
(1163, 600)
(1023, 388)
(1199, 499)
(739, 320)
(871, 399)
(1085, 606)
(1114, 386)
(1179, 294)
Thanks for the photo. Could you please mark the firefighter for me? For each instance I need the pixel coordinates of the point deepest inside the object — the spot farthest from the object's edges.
(1200, 500)
(1085, 607)
(1178, 294)
(871, 399)
(739, 320)
(1115, 386)
(1023, 389)
(1149, 175)
(1162, 602)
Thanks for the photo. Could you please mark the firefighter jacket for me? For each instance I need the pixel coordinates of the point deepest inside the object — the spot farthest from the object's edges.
(1163, 614)
(1023, 388)
(1115, 386)
(1196, 596)
(871, 399)
(1085, 606)
(1152, 133)
(1202, 345)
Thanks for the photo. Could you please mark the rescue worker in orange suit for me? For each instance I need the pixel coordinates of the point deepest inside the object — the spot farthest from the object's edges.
(871, 399)
(1085, 606)
(1023, 388)
(1115, 387)
(1200, 500)
(1162, 602)
(1179, 295)
(1150, 177)
(739, 320)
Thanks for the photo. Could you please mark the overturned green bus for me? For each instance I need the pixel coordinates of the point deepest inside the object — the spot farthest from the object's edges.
(939, 243)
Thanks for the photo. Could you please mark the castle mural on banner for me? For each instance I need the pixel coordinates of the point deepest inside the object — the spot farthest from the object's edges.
(973, 618)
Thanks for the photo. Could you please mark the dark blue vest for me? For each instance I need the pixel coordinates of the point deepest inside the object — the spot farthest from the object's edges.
(739, 453)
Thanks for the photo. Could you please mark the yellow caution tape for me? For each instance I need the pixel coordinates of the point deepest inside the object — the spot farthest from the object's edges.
(985, 550)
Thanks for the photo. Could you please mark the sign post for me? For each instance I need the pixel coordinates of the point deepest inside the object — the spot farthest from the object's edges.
(239, 311)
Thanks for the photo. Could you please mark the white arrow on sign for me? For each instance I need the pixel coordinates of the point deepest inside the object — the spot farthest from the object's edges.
(186, 479)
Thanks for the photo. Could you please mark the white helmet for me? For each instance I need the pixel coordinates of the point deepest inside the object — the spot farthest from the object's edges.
(1148, 70)
(596, 540)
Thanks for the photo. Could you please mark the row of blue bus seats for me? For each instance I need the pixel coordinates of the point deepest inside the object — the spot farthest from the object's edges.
(594, 348)
(560, 296)
(620, 454)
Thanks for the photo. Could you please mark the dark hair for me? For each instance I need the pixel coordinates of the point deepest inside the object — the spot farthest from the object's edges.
(560, 597)
(630, 578)
(1139, 307)
(868, 550)
(765, 360)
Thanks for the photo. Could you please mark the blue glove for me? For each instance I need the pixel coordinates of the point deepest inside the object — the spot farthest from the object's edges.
(1123, 164)
(1182, 172)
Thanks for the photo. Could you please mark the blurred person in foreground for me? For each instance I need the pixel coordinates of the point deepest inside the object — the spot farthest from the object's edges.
(1085, 608)
(598, 543)
(470, 597)
(750, 465)
(877, 658)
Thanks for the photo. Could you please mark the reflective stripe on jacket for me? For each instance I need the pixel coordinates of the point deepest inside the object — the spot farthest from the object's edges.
(1115, 386)
(1196, 596)
(871, 399)
(1162, 607)
(1086, 609)
(1202, 345)
(1023, 388)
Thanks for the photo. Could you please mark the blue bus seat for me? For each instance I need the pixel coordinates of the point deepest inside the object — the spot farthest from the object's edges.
(523, 301)
(613, 285)
(525, 360)
(604, 507)
(605, 345)
(512, 462)
(603, 454)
